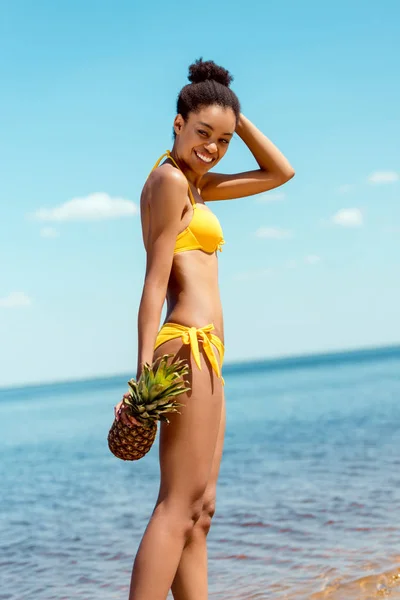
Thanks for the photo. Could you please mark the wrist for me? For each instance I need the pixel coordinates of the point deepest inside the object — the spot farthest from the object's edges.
(140, 366)
(240, 124)
(139, 369)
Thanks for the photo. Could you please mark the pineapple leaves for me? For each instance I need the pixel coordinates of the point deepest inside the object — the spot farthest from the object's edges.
(154, 393)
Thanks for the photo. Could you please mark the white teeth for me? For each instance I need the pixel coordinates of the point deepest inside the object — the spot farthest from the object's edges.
(203, 158)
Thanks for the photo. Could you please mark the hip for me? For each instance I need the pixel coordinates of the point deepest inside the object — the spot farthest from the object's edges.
(205, 337)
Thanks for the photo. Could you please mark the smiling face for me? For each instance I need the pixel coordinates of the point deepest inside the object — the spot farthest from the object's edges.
(203, 139)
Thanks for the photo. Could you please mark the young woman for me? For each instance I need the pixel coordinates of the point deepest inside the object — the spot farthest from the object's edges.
(181, 237)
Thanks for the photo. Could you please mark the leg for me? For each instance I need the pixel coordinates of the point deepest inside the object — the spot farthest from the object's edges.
(187, 448)
(191, 581)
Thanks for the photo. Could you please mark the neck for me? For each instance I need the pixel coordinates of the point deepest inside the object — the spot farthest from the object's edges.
(191, 176)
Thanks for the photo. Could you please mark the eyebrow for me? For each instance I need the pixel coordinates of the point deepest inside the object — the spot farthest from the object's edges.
(212, 128)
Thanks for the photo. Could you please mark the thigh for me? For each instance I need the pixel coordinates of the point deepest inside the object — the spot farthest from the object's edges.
(188, 443)
(216, 463)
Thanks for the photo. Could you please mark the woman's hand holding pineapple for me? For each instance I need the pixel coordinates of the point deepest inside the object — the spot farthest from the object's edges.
(150, 398)
(121, 412)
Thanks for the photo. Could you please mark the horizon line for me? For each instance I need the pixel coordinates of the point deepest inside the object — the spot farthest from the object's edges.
(284, 360)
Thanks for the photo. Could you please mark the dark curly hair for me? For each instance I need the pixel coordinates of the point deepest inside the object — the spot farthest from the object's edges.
(209, 85)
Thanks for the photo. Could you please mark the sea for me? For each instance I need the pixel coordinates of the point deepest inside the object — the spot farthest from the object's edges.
(308, 500)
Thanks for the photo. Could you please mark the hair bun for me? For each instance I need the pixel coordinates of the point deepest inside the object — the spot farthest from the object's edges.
(207, 70)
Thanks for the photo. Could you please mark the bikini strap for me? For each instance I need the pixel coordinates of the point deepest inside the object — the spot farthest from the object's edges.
(159, 160)
(168, 154)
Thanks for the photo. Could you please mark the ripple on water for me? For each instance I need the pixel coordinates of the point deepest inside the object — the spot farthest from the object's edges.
(308, 496)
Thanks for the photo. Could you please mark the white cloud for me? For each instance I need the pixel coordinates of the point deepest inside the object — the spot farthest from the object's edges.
(383, 177)
(49, 232)
(15, 300)
(348, 217)
(270, 197)
(273, 233)
(312, 259)
(98, 206)
(345, 188)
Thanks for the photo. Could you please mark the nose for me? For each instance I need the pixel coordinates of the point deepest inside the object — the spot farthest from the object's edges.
(211, 147)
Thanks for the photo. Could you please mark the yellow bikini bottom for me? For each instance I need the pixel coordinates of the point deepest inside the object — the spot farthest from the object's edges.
(192, 336)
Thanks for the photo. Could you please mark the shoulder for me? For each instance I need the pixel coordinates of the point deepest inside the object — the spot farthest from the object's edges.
(167, 179)
(165, 192)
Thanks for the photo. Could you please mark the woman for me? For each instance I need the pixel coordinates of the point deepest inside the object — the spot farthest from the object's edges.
(181, 237)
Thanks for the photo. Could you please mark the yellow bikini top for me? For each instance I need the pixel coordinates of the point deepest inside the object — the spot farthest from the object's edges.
(204, 231)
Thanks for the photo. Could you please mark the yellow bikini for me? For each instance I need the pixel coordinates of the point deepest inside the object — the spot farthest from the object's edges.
(203, 233)
(204, 230)
(192, 336)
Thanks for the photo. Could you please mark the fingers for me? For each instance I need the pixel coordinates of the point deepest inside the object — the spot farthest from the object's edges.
(124, 418)
(117, 410)
(127, 419)
(121, 414)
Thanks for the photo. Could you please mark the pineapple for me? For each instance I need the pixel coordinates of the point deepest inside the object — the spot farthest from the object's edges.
(151, 398)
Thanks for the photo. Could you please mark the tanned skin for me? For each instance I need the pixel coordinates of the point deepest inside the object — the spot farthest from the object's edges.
(173, 550)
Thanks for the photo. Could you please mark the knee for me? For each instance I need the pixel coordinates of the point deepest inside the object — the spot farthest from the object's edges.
(207, 513)
(181, 516)
(195, 511)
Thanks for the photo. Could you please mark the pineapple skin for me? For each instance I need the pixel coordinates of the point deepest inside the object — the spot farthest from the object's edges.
(152, 397)
(131, 443)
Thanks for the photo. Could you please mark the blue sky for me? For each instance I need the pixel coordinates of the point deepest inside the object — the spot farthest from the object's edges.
(87, 103)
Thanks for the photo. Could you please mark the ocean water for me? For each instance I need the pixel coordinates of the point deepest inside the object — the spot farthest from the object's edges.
(308, 498)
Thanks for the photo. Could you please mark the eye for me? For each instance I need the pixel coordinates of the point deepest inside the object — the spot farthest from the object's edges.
(201, 132)
(225, 141)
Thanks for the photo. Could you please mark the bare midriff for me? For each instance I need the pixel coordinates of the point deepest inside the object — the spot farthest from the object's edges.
(193, 297)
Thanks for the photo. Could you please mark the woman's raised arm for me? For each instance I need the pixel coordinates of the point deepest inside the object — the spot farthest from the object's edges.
(275, 169)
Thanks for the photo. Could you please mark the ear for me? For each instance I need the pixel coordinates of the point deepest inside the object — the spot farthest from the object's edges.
(178, 124)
